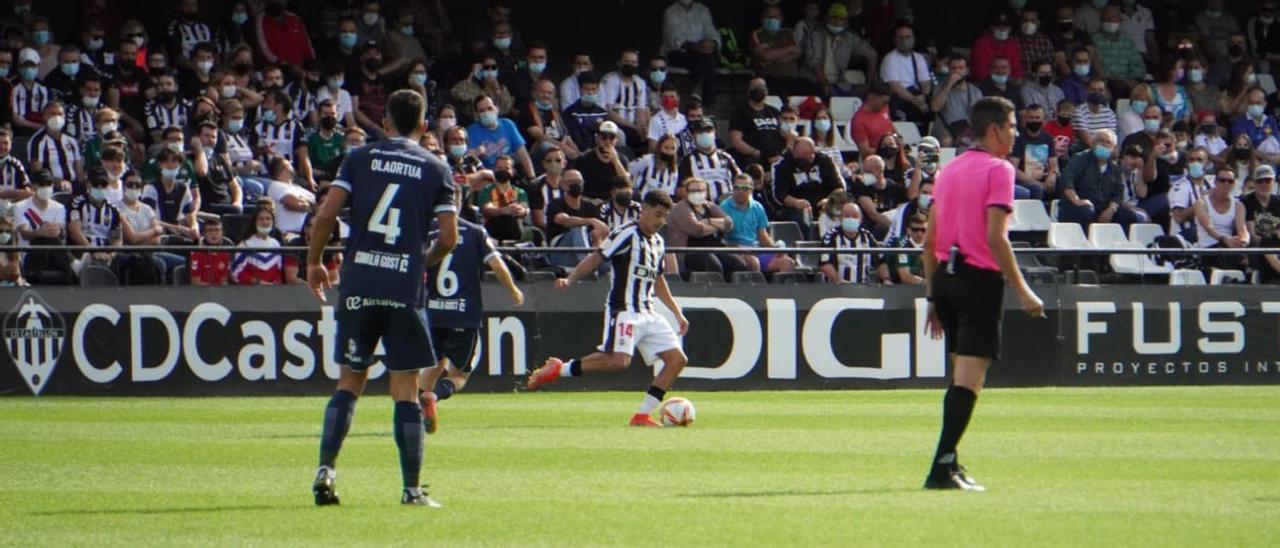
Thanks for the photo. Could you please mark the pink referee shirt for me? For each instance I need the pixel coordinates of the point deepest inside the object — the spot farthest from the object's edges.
(965, 188)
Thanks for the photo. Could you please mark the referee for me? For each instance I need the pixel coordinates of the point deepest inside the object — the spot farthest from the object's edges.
(967, 258)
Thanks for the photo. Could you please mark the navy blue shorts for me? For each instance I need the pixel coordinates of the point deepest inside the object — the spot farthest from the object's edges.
(403, 330)
(459, 345)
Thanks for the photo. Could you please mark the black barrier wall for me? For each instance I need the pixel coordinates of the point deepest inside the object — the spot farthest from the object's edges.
(278, 340)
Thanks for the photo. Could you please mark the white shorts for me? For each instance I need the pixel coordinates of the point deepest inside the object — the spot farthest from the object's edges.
(647, 331)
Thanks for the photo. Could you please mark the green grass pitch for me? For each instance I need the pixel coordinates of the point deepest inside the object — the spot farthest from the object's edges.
(1195, 466)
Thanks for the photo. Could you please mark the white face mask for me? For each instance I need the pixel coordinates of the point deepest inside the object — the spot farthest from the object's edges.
(5, 237)
(447, 123)
(56, 123)
(263, 230)
(44, 192)
(132, 194)
(109, 127)
(868, 179)
(228, 91)
(697, 198)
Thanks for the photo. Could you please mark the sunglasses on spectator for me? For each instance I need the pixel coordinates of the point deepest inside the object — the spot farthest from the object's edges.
(743, 187)
(491, 67)
(1226, 180)
(608, 136)
(916, 229)
(1264, 181)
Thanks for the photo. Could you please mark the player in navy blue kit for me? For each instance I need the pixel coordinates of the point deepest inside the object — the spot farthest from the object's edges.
(394, 188)
(630, 320)
(456, 310)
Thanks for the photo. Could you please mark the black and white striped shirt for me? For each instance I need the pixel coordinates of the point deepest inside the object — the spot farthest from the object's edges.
(186, 34)
(304, 101)
(81, 123)
(97, 222)
(283, 139)
(622, 97)
(161, 116)
(58, 154)
(637, 264)
(28, 102)
(13, 176)
(648, 173)
(615, 216)
(717, 168)
(857, 268)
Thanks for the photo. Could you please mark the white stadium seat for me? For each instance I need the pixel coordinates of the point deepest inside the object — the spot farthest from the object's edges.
(773, 101)
(1136, 264)
(1219, 276)
(1067, 236)
(1144, 234)
(1186, 277)
(1104, 235)
(1267, 82)
(909, 132)
(1053, 210)
(794, 101)
(945, 155)
(842, 108)
(1030, 216)
(855, 77)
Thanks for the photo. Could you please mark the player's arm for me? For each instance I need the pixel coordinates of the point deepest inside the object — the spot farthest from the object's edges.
(587, 266)
(663, 291)
(443, 245)
(321, 231)
(499, 268)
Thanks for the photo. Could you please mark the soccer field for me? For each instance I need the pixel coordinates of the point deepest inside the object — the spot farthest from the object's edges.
(1144, 466)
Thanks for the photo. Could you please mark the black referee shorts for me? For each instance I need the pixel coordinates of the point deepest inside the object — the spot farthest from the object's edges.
(970, 305)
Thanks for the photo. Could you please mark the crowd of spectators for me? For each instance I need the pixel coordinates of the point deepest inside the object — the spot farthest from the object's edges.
(228, 130)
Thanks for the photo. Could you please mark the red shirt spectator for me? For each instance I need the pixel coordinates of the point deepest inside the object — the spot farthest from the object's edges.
(986, 49)
(871, 123)
(283, 36)
(210, 267)
(1063, 137)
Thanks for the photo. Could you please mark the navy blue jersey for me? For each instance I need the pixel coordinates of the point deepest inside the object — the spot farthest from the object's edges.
(453, 286)
(396, 189)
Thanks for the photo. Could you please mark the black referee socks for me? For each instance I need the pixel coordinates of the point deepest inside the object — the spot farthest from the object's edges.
(957, 408)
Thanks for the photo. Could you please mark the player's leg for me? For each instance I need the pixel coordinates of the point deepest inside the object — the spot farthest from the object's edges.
(359, 331)
(613, 355)
(957, 408)
(404, 341)
(427, 398)
(657, 341)
(338, 414)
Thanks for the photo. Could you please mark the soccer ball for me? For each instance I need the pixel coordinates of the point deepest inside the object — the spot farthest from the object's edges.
(677, 412)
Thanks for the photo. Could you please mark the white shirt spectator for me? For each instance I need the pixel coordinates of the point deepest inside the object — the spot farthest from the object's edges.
(27, 213)
(1088, 18)
(906, 70)
(1128, 122)
(1184, 194)
(623, 97)
(661, 124)
(569, 91)
(1214, 143)
(342, 101)
(140, 219)
(287, 220)
(1137, 25)
(1088, 120)
(692, 24)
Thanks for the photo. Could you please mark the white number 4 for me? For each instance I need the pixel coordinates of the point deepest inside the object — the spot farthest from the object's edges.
(386, 219)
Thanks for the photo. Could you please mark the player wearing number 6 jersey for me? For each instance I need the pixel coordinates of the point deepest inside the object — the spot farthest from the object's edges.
(630, 320)
(455, 309)
(394, 188)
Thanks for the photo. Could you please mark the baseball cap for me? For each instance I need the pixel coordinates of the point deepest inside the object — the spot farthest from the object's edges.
(838, 10)
(608, 126)
(1264, 171)
(930, 143)
(28, 55)
(701, 125)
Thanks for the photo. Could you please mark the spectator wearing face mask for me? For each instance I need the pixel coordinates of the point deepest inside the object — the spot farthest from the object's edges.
(573, 221)
(1186, 192)
(1034, 45)
(823, 133)
(626, 98)
(850, 268)
(753, 129)
(1216, 26)
(1118, 57)
(504, 205)
(484, 81)
(659, 170)
(570, 87)
(186, 31)
(1242, 159)
(621, 208)
(998, 84)
(282, 35)
(332, 90)
(690, 40)
(83, 113)
(492, 136)
(173, 201)
(402, 46)
(167, 109)
(656, 74)
(278, 135)
(547, 188)
(1129, 121)
(325, 143)
(52, 149)
(698, 222)
(997, 43)
(1032, 154)
(94, 222)
(65, 81)
(1096, 114)
(1092, 187)
(908, 76)
(1259, 126)
(801, 179)
(584, 116)
(1039, 88)
(828, 50)
(775, 53)
(1209, 137)
(707, 162)
(1064, 136)
(668, 120)
(1067, 39)
(29, 97)
(533, 70)
(259, 267)
(903, 214)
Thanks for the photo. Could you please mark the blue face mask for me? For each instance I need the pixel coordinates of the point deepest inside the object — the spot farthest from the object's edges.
(1151, 126)
(542, 105)
(537, 68)
(457, 151)
(590, 99)
(347, 39)
(97, 194)
(1082, 70)
(850, 225)
(419, 78)
(4, 72)
(407, 30)
(658, 77)
(1195, 170)
(1257, 111)
(29, 73)
(235, 125)
(1138, 106)
(1001, 79)
(489, 119)
(1102, 153)
(772, 25)
(823, 125)
(486, 74)
(70, 69)
(705, 140)
(40, 37)
(239, 18)
(502, 43)
(171, 174)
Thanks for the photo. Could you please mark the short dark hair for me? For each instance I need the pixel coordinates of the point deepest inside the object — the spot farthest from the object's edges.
(112, 153)
(476, 102)
(211, 222)
(620, 181)
(588, 78)
(989, 111)
(668, 86)
(406, 109)
(658, 198)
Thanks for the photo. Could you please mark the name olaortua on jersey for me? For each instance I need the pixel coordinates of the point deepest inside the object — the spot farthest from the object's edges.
(453, 286)
(396, 189)
(637, 263)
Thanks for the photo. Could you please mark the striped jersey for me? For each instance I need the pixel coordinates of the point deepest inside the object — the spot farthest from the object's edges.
(185, 34)
(622, 97)
(81, 123)
(161, 116)
(857, 268)
(637, 264)
(29, 103)
(57, 154)
(717, 168)
(615, 216)
(97, 221)
(13, 176)
(283, 139)
(649, 173)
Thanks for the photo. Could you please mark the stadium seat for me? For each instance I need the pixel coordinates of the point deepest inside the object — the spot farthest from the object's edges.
(909, 132)
(946, 155)
(235, 225)
(1186, 277)
(805, 127)
(749, 278)
(773, 101)
(844, 138)
(181, 275)
(673, 278)
(541, 276)
(788, 278)
(1105, 235)
(786, 231)
(806, 260)
(706, 278)
(1220, 276)
(794, 101)
(1068, 236)
(1144, 234)
(1040, 275)
(1082, 277)
(843, 108)
(855, 77)
(490, 276)
(1136, 264)
(97, 275)
(1030, 216)
(1025, 260)
(1267, 82)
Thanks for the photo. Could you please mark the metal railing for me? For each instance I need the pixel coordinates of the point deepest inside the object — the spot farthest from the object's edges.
(518, 250)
